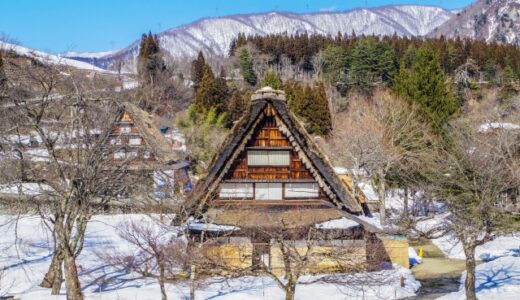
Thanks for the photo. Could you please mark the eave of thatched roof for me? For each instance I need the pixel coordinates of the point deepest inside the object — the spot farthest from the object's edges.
(301, 140)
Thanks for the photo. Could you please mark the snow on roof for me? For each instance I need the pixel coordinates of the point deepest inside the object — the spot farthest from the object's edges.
(341, 223)
(496, 125)
(369, 191)
(200, 226)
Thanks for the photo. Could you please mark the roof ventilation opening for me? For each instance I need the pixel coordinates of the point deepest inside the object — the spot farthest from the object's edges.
(268, 93)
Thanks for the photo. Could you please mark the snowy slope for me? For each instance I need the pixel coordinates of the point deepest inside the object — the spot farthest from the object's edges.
(214, 35)
(48, 58)
(492, 21)
(25, 264)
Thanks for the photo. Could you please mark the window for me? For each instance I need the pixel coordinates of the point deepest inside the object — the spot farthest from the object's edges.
(268, 158)
(125, 129)
(268, 191)
(301, 190)
(261, 257)
(131, 154)
(115, 141)
(236, 190)
(135, 141)
(119, 155)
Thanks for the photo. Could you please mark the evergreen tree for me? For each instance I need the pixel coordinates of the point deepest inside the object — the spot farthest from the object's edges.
(311, 105)
(211, 93)
(197, 69)
(425, 84)
(371, 62)
(507, 91)
(271, 79)
(335, 64)
(3, 78)
(150, 62)
(318, 112)
(238, 104)
(246, 67)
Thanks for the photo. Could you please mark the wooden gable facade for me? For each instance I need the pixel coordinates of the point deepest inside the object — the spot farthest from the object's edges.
(128, 141)
(269, 171)
(269, 182)
(137, 142)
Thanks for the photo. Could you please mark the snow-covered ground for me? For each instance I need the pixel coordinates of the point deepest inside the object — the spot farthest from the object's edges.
(26, 262)
(506, 245)
(497, 279)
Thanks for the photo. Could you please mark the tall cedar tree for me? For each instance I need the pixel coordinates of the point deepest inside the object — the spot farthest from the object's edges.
(197, 69)
(507, 91)
(150, 62)
(238, 104)
(371, 61)
(425, 84)
(3, 78)
(311, 105)
(211, 93)
(271, 79)
(335, 64)
(246, 67)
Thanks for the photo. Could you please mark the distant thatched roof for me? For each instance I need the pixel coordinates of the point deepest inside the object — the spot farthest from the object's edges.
(152, 136)
(320, 167)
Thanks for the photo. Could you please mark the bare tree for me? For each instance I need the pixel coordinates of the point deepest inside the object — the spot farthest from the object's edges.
(75, 170)
(376, 136)
(160, 254)
(470, 175)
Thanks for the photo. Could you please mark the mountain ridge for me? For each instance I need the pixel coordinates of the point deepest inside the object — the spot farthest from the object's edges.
(213, 35)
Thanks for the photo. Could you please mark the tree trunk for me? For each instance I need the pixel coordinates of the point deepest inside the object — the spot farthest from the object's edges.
(161, 283)
(290, 290)
(192, 282)
(469, 284)
(381, 193)
(54, 275)
(71, 278)
(405, 204)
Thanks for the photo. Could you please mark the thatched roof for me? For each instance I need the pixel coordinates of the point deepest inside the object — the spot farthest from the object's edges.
(151, 134)
(318, 164)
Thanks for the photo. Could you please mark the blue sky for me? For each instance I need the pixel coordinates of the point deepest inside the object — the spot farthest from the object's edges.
(99, 25)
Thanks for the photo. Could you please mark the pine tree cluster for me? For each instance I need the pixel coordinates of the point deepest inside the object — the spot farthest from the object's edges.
(451, 53)
(150, 62)
(311, 105)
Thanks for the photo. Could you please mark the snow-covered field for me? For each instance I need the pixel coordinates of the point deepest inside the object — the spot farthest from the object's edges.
(497, 279)
(26, 262)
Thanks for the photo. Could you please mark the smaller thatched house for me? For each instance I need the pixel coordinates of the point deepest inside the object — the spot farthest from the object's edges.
(269, 182)
(138, 142)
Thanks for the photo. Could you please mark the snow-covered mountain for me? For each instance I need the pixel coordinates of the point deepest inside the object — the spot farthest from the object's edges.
(48, 58)
(214, 35)
(492, 21)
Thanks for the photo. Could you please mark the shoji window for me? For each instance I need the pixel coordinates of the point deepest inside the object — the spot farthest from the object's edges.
(135, 141)
(115, 141)
(131, 154)
(301, 190)
(236, 190)
(268, 191)
(119, 154)
(125, 129)
(268, 158)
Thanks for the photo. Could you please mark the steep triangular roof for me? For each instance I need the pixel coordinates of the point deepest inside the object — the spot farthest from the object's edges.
(157, 142)
(300, 140)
